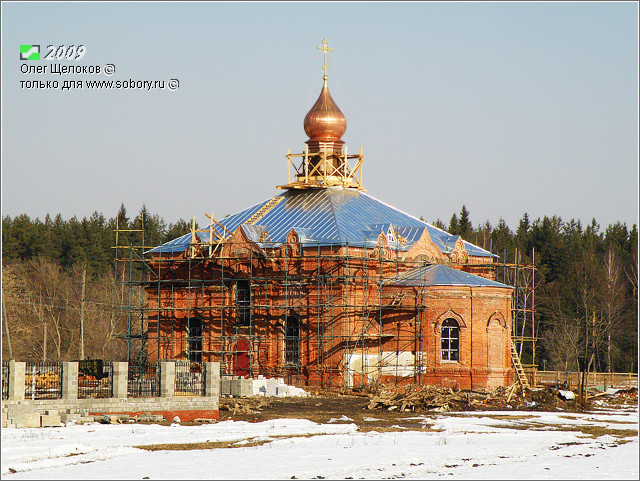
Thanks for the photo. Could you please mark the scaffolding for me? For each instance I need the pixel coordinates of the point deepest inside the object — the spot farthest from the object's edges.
(129, 279)
(522, 276)
(302, 312)
(524, 326)
(329, 293)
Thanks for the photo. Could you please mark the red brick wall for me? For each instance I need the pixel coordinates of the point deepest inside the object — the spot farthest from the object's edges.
(335, 297)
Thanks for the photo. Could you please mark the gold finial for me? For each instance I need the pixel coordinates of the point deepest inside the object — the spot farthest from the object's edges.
(325, 49)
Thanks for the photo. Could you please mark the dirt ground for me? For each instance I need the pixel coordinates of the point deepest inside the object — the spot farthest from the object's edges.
(340, 407)
(320, 409)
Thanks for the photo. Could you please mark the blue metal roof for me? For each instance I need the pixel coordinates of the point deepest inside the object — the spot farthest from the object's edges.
(439, 275)
(331, 216)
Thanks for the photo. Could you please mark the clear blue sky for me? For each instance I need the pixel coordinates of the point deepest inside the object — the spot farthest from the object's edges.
(504, 107)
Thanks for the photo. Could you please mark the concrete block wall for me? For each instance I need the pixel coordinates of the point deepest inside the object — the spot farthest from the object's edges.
(226, 382)
(225, 387)
(212, 379)
(241, 387)
(120, 380)
(50, 418)
(20, 412)
(70, 380)
(167, 379)
(16, 380)
(28, 413)
(16, 386)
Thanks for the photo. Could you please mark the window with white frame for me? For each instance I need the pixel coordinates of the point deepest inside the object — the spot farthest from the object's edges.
(450, 340)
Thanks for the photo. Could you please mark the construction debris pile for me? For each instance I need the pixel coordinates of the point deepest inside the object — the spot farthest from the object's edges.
(246, 405)
(614, 398)
(428, 398)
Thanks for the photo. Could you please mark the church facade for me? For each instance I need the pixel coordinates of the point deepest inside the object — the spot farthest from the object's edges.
(328, 286)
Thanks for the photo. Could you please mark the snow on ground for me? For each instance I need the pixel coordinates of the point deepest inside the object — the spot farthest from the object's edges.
(479, 445)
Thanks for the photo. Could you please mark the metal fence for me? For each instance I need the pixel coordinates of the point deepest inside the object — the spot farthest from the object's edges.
(95, 379)
(43, 380)
(5, 380)
(190, 379)
(144, 380)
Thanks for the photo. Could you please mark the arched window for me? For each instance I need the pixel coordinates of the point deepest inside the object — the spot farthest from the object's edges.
(194, 339)
(243, 303)
(292, 339)
(450, 340)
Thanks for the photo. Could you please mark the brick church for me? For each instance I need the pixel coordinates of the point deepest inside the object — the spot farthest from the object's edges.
(325, 285)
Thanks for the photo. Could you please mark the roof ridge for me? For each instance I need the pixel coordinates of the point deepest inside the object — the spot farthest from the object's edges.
(427, 224)
(395, 208)
(453, 276)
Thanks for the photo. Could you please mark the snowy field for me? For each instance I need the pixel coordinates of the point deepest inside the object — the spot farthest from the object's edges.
(477, 445)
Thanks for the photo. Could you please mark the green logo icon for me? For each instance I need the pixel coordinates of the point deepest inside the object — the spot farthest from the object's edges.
(29, 52)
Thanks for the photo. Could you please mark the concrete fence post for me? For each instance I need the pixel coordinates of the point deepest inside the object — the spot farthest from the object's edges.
(16, 380)
(120, 380)
(212, 379)
(167, 378)
(69, 380)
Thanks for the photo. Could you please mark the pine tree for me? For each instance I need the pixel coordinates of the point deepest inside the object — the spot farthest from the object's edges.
(522, 235)
(177, 229)
(465, 227)
(454, 226)
(502, 242)
(439, 224)
(154, 227)
(9, 242)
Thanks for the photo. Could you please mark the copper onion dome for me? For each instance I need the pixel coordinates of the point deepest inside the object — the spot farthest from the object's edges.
(325, 121)
(324, 164)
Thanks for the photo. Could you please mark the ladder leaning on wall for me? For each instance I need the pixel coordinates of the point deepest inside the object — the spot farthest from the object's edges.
(517, 365)
(264, 210)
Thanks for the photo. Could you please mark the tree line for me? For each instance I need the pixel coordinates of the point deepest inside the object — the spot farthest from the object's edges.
(586, 283)
(47, 265)
(88, 241)
(586, 286)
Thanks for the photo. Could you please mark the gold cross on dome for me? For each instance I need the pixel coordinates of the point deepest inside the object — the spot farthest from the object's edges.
(325, 49)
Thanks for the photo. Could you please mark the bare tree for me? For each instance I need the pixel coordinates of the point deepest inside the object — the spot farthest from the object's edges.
(563, 344)
(41, 297)
(615, 306)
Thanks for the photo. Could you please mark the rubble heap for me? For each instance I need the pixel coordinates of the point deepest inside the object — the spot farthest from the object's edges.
(429, 398)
